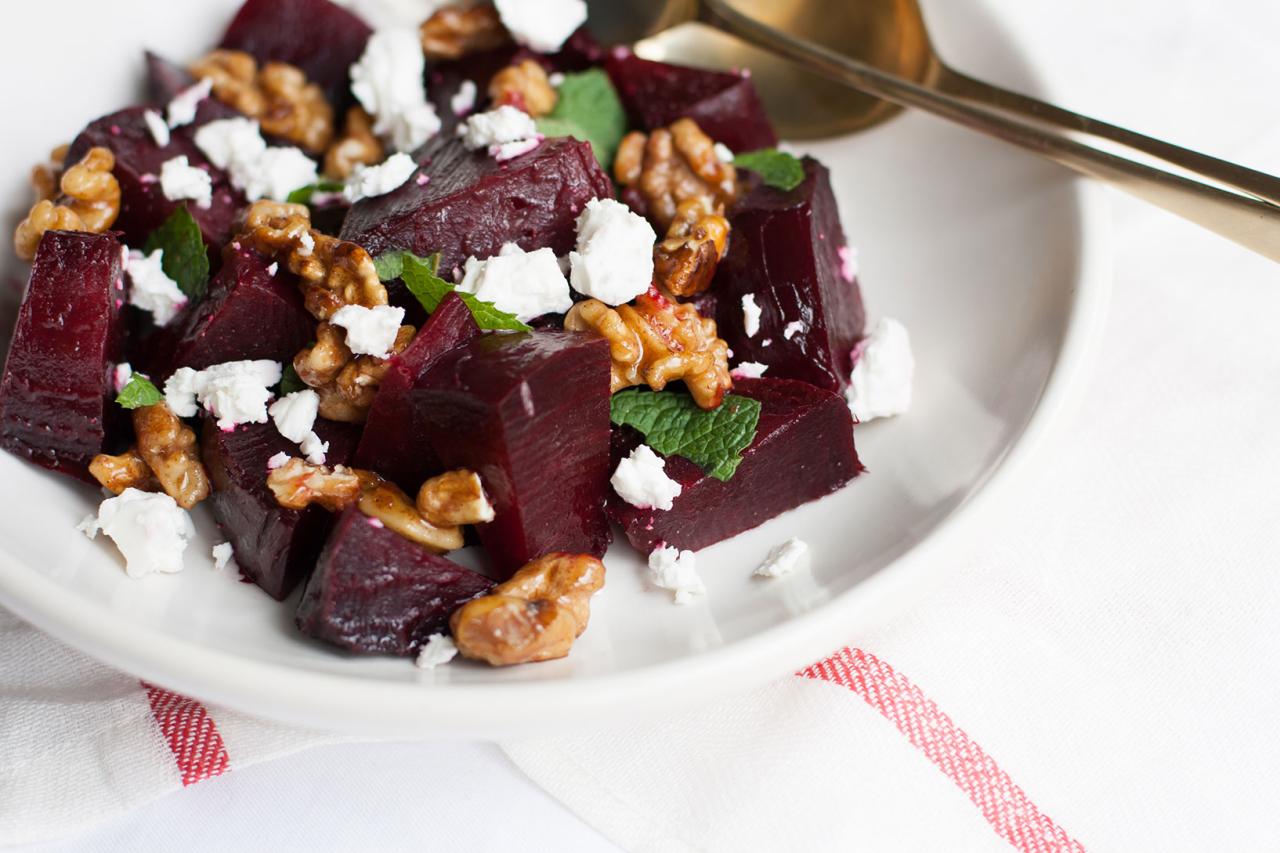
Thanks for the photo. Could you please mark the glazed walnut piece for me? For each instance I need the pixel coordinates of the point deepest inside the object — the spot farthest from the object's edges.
(279, 96)
(685, 262)
(524, 86)
(89, 201)
(346, 383)
(45, 177)
(126, 471)
(357, 146)
(453, 498)
(535, 616)
(298, 484)
(169, 448)
(673, 165)
(452, 33)
(389, 504)
(658, 341)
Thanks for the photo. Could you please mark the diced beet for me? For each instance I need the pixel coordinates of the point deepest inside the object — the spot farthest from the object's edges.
(529, 413)
(786, 252)
(274, 547)
(143, 205)
(394, 442)
(57, 397)
(471, 204)
(165, 79)
(248, 313)
(373, 591)
(320, 37)
(803, 451)
(725, 105)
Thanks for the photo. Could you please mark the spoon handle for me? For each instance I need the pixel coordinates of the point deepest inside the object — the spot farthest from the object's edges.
(1235, 202)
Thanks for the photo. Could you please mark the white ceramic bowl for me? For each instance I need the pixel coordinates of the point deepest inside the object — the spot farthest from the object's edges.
(995, 261)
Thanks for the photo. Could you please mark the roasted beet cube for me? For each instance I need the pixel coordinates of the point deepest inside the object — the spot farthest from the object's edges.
(166, 79)
(320, 37)
(143, 205)
(248, 313)
(724, 104)
(274, 547)
(56, 399)
(394, 442)
(803, 451)
(530, 414)
(374, 591)
(788, 253)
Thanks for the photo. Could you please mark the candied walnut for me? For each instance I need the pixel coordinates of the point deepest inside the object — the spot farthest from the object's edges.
(126, 471)
(535, 616)
(658, 341)
(298, 484)
(357, 146)
(673, 165)
(346, 384)
(454, 498)
(279, 96)
(524, 86)
(46, 176)
(319, 364)
(685, 262)
(89, 201)
(389, 504)
(169, 448)
(452, 33)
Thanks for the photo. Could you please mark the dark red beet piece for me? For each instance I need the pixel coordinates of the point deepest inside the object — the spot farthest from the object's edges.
(274, 547)
(375, 592)
(248, 313)
(786, 252)
(143, 206)
(321, 38)
(394, 442)
(165, 80)
(57, 397)
(803, 451)
(725, 105)
(530, 414)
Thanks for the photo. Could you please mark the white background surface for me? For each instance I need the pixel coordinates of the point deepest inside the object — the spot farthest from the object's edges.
(1195, 464)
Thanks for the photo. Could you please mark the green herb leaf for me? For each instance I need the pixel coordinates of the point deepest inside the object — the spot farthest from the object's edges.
(290, 381)
(420, 277)
(138, 393)
(779, 169)
(303, 195)
(391, 265)
(673, 425)
(186, 260)
(589, 109)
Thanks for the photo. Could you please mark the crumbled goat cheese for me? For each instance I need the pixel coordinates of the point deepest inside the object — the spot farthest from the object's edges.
(149, 528)
(497, 127)
(677, 571)
(280, 460)
(556, 79)
(388, 81)
(180, 181)
(121, 376)
(464, 100)
(223, 554)
(236, 145)
(306, 244)
(750, 316)
(314, 449)
(782, 560)
(381, 14)
(511, 150)
(795, 327)
(182, 109)
(373, 181)
(437, 650)
(295, 414)
(230, 140)
(848, 263)
(880, 386)
(543, 26)
(234, 392)
(370, 331)
(641, 480)
(614, 259)
(151, 290)
(723, 153)
(527, 284)
(749, 370)
(158, 127)
(275, 267)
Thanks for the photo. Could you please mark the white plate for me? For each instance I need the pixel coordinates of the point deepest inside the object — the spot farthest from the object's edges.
(996, 262)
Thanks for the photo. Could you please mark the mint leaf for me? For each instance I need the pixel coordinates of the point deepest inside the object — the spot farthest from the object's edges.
(589, 109)
(779, 169)
(186, 260)
(391, 265)
(290, 381)
(673, 425)
(419, 275)
(139, 393)
(303, 195)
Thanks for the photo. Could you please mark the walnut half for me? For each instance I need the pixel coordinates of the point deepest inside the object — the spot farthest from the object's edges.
(279, 96)
(90, 201)
(671, 166)
(166, 459)
(685, 262)
(524, 86)
(452, 33)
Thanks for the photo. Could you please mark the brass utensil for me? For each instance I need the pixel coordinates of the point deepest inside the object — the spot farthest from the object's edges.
(882, 49)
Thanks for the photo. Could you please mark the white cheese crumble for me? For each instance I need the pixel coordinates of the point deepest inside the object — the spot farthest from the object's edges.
(749, 370)
(306, 244)
(795, 327)
(464, 100)
(543, 26)
(275, 267)
(180, 181)
(848, 263)
(783, 559)
(614, 259)
(259, 171)
(315, 449)
(723, 153)
(389, 82)
(230, 140)
(151, 290)
(234, 392)
(280, 460)
(497, 128)
(158, 127)
(182, 109)
(511, 150)
(750, 316)
(295, 414)
(437, 650)
(121, 376)
(223, 554)
(150, 529)
(370, 331)
(677, 571)
(880, 386)
(641, 480)
(527, 284)
(372, 181)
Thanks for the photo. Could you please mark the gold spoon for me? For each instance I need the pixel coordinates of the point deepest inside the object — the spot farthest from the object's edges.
(882, 49)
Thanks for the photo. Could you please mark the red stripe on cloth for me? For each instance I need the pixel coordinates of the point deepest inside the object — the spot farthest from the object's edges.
(191, 734)
(1005, 805)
